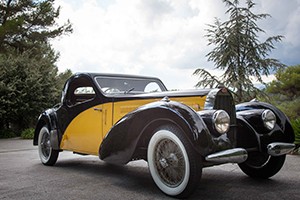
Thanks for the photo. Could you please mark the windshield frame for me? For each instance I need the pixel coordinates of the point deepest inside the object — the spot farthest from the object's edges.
(128, 90)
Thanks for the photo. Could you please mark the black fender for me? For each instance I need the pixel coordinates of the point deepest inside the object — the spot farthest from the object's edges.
(47, 118)
(252, 134)
(129, 137)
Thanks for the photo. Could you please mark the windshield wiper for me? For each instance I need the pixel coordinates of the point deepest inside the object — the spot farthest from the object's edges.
(129, 90)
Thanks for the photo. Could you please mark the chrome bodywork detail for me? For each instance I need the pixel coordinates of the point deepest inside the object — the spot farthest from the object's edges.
(236, 155)
(280, 148)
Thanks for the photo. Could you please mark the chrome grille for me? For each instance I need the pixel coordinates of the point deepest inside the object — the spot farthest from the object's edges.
(224, 101)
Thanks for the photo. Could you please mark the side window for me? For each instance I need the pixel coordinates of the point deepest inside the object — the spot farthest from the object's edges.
(80, 90)
(152, 87)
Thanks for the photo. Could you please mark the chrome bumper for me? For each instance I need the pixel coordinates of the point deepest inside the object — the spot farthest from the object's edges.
(236, 155)
(239, 155)
(280, 148)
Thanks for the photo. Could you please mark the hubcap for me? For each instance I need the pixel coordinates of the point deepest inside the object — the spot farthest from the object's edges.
(45, 145)
(169, 162)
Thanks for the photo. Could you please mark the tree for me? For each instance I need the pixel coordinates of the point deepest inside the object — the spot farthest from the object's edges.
(25, 24)
(238, 51)
(29, 78)
(285, 91)
(285, 94)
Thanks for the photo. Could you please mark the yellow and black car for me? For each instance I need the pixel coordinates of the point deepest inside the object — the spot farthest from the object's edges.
(121, 118)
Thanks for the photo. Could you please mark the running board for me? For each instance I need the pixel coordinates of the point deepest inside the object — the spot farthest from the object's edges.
(236, 155)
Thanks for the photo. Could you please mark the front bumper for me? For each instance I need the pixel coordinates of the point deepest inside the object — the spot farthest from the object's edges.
(239, 155)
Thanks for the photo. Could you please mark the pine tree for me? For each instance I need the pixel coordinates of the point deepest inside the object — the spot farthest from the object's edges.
(25, 24)
(238, 52)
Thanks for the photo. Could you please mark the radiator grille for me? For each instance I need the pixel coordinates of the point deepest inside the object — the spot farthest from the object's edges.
(224, 101)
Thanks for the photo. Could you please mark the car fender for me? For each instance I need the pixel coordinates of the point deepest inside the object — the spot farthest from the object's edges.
(48, 118)
(133, 132)
(251, 131)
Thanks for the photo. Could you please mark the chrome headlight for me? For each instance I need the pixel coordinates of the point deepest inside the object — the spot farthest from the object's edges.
(269, 119)
(221, 120)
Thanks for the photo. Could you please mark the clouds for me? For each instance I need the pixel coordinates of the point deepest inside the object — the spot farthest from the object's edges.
(163, 38)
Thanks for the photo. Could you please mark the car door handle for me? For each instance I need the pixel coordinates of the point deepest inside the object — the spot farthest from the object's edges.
(98, 109)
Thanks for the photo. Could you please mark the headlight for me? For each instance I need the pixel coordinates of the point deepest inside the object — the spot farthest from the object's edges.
(269, 119)
(221, 121)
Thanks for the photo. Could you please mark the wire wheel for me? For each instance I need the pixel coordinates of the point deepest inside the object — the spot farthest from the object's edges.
(174, 166)
(169, 162)
(48, 155)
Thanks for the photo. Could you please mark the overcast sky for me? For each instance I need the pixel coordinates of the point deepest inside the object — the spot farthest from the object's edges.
(161, 38)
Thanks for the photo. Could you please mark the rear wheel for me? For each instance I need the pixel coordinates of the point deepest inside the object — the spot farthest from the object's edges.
(48, 155)
(262, 165)
(174, 165)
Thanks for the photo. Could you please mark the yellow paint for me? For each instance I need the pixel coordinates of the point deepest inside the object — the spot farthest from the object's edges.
(86, 132)
(123, 107)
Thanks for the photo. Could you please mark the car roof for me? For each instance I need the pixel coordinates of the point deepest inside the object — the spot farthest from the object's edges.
(93, 75)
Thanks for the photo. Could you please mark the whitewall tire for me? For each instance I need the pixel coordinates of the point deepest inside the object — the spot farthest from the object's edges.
(48, 156)
(174, 165)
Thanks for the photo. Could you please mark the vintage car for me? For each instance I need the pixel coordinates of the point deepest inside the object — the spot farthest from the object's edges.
(122, 118)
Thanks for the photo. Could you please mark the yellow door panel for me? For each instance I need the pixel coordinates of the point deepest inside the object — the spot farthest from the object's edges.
(84, 133)
(107, 120)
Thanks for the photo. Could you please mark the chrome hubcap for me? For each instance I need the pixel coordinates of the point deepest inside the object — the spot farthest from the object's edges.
(45, 145)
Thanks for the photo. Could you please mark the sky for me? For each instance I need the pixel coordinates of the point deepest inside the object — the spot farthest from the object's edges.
(161, 38)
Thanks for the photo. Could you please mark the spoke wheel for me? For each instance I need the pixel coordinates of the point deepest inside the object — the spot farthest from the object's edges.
(174, 165)
(48, 156)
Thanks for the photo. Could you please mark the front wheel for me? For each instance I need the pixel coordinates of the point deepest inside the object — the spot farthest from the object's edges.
(48, 155)
(174, 165)
(262, 165)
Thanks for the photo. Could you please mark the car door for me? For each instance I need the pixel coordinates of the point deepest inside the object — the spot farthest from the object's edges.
(83, 115)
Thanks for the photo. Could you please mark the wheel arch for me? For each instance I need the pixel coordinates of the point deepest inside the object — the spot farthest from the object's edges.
(47, 118)
(283, 123)
(129, 138)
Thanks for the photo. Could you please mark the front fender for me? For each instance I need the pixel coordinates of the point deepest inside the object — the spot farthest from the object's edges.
(251, 132)
(129, 137)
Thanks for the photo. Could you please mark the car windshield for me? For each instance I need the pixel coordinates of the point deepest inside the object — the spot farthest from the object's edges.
(128, 85)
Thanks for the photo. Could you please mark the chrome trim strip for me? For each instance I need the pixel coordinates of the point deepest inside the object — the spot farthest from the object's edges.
(280, 148)
(236, 155)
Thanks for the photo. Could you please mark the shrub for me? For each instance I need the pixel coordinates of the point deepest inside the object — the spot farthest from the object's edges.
(7, 133)
(296, 127)
(27, 133)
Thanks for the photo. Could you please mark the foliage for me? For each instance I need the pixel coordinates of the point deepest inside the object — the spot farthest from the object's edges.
(287, 83)
(7, 133)
(26, 86)
(27, 133)
(29, 78)
(296, 127)
(238, 51)
(284, 92)
(25, 24)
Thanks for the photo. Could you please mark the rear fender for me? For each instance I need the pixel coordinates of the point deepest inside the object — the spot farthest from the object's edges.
(130, 136)
(47, 118)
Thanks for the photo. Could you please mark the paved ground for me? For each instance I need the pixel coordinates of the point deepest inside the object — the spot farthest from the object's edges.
(22, 176)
